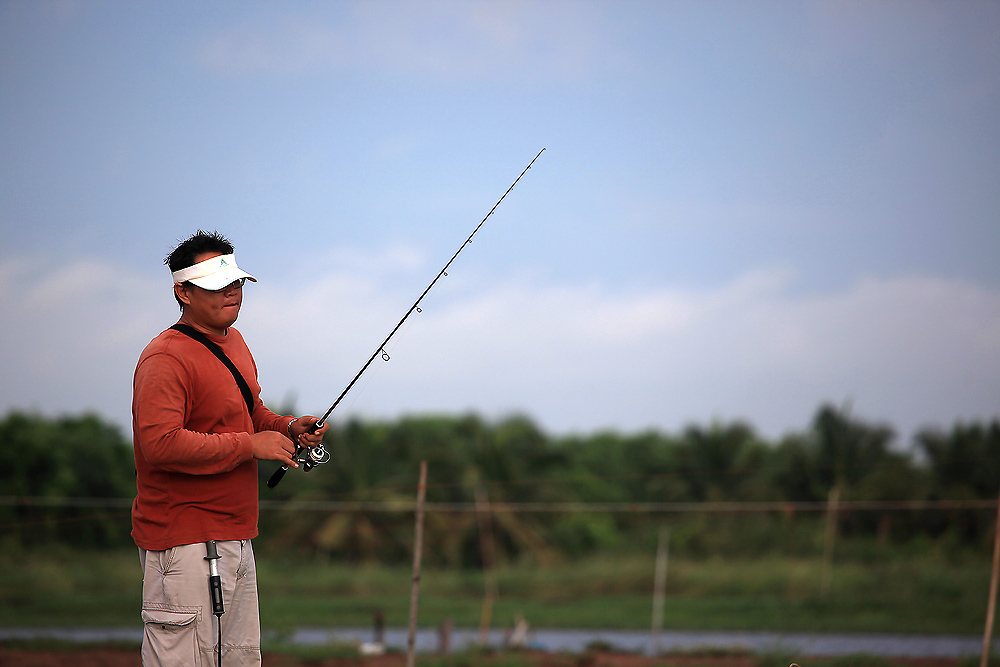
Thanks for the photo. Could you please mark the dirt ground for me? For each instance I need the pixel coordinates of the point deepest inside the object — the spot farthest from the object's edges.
(120, 657)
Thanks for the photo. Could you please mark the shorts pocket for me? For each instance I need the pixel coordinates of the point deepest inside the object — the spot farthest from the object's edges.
(170, 638)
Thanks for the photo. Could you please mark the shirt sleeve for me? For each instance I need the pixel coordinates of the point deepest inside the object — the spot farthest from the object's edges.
(265, 420)
(160, 400)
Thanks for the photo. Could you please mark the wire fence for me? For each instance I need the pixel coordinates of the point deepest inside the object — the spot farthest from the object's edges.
(396, 506)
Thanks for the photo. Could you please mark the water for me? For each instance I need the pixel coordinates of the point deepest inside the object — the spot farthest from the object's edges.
(576, 641)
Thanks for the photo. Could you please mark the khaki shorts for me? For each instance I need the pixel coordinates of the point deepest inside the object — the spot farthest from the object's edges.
(180, 628)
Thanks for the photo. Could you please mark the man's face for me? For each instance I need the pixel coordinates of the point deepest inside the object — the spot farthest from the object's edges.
(215, 311)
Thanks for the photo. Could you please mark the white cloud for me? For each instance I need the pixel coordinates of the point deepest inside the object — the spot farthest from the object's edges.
(69, 334)
(911, 351)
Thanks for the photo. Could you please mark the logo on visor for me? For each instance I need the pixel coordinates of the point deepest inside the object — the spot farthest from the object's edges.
(222, 263)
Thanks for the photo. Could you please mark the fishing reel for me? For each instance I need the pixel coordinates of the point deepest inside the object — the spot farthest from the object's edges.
(310, 457)
(307, 458)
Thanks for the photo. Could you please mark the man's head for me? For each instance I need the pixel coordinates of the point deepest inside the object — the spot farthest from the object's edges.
(200, 242)
(207, 282)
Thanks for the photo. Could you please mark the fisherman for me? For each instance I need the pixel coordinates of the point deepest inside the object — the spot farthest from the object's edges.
(198, 435)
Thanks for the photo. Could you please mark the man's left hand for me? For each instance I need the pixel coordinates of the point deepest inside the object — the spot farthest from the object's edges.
(301, 431)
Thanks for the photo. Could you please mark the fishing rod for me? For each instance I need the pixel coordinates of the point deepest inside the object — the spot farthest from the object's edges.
(310, 457)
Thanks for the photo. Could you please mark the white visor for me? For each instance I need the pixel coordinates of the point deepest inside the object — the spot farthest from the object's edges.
(212, 274)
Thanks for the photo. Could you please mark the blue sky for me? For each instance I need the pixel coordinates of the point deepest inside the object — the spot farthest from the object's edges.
(744, 209)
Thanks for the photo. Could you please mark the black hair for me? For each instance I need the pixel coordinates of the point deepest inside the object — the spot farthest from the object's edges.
(182, 256)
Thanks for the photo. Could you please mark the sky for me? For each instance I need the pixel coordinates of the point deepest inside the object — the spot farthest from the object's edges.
(744, 210)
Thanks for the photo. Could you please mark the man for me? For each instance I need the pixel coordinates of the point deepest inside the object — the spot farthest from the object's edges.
(197, 444)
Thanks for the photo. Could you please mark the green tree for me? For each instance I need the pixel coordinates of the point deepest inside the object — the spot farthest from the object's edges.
(66, 458)
(963, 464)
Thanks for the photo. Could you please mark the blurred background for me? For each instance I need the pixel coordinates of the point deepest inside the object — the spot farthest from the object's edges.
(756, 262)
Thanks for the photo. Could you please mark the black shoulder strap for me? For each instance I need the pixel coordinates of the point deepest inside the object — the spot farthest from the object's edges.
(217, 351)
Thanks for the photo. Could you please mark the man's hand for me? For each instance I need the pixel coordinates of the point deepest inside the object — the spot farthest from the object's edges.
(301, 431)
(272, 446)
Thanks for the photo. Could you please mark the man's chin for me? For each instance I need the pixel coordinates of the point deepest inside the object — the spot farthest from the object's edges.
(228, 319)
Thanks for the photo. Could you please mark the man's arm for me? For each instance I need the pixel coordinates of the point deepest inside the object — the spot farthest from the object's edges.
(161, 395)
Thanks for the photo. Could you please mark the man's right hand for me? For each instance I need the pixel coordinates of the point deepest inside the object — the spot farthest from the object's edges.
(272, 446)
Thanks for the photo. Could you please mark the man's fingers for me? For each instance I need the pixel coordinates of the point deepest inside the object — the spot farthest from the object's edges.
(311, 438)
(286, 457)
(273, 446)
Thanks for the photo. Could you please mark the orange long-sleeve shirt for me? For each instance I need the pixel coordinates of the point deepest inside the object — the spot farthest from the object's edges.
(195, 472)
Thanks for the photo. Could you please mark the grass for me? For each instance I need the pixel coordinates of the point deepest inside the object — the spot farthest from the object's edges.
(913, 596)
(922, 595)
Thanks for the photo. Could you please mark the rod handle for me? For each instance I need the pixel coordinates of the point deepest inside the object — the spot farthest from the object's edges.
(276, 477)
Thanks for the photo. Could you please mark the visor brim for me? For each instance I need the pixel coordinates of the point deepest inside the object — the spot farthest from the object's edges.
(220, 279)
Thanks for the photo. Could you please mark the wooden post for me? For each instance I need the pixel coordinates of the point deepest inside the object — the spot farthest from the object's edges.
(379, 627)
(991, 605)
(660, 584)
(444, 637)
(418, 544)
(831, 536)
(483, 512)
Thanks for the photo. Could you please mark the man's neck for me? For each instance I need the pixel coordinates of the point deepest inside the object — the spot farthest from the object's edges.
(185, 319)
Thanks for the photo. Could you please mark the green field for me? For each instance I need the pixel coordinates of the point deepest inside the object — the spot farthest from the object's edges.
(926, 595)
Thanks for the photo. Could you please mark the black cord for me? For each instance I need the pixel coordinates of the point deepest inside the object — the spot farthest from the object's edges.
(219, 619)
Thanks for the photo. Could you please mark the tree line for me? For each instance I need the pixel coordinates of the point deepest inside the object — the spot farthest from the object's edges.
(512, 460)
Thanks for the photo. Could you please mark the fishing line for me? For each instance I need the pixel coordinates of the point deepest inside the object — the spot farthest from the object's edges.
(309, 457)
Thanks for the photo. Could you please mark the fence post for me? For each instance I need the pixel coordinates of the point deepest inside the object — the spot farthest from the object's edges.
(489, 575)
(660, 584)
(991, 605)
(418, 544)
(832, 502)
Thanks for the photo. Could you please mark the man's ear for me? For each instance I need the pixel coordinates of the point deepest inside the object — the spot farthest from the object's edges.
(182, 293)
